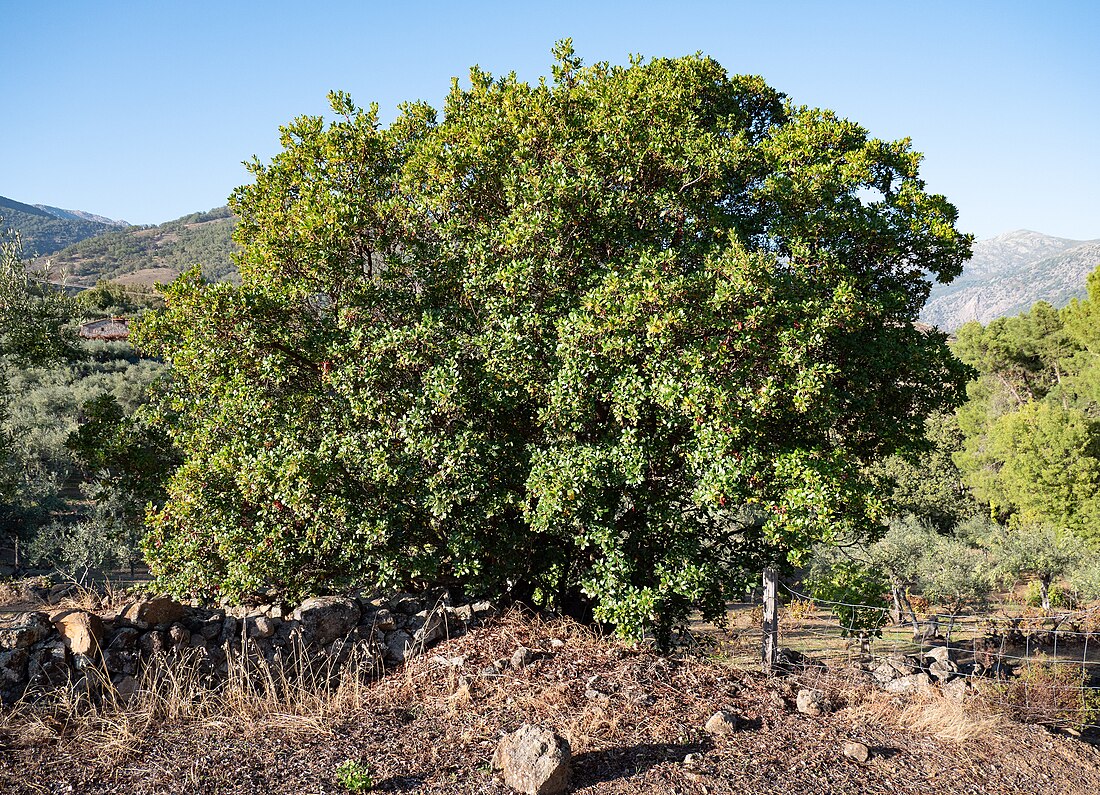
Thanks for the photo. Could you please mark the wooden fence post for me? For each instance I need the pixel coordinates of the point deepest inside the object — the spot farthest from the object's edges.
(771, 619)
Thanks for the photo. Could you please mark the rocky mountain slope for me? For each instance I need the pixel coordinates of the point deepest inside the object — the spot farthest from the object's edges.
(45, 230)
(1008, 274)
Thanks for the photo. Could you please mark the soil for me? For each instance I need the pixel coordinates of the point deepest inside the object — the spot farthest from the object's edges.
(634, 720)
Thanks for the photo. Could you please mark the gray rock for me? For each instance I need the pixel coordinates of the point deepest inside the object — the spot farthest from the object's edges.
(260, 627)
(885, 673)
(722, 723)
(28, 630)
(943, 670)
(13, 668)
(902, 664)
(955, 689)
(939, 653)
(434, 629)
(534, 761)
(178, 636)
(399, 645)
(323, 619)
(153, 642)
(405, 603)
(909, 684)
(811, 702)
(48, 665)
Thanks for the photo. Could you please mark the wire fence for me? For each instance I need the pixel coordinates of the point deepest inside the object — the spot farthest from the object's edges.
(1039, 666)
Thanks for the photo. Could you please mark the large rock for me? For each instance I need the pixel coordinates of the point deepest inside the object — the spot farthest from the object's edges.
(13, 669)
(26, 631)
(399, 646)
(722, 723)
(534, 761)
(80, 630)
(811, 702)
(908, 684)
(323, 619)
(154, 612)
(943, 670)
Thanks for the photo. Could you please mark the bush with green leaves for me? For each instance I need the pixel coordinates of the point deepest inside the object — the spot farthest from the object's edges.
(613, 340)
(853, 589)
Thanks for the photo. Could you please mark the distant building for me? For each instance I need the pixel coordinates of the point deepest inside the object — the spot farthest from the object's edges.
(115, 328)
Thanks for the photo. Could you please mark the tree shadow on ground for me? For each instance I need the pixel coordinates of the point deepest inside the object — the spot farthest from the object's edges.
(594, 767)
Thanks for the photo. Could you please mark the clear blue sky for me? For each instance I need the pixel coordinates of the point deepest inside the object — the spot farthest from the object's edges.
(144, 110)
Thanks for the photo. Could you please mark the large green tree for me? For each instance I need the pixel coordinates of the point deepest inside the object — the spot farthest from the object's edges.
(1031, 426)
(615, 338)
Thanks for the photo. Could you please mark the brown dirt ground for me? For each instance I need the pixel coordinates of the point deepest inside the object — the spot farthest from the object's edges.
(631, 717)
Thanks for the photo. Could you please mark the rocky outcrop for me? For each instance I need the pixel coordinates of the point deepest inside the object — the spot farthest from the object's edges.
(72, 648)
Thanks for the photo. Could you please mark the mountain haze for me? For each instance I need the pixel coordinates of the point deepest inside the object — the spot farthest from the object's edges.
(1008, 274)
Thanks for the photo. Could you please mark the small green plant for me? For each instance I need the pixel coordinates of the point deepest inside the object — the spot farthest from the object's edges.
(354, 776)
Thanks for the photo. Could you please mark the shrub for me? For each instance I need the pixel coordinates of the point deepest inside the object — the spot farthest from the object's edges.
(1049, 693)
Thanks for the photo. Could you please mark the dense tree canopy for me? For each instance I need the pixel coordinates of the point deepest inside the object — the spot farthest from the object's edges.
(617, 338)
(1032, 422)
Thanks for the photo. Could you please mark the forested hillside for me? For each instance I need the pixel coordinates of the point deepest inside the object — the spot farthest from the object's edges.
(45, 230)
(154, 254)
(1009, 273)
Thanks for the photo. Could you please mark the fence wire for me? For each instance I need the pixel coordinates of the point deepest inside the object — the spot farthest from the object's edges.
(1041, 668)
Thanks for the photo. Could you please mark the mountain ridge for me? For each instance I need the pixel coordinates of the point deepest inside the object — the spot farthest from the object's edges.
(1008, 274)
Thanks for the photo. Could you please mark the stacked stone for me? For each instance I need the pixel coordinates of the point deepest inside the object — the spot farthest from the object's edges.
(42, 651)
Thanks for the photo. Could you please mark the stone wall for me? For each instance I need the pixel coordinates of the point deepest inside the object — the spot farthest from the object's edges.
(72, 648)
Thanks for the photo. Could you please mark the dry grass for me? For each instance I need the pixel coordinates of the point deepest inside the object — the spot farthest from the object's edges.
(631, 717)
(931, 714)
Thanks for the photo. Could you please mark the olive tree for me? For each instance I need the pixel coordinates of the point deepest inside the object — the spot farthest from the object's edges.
(607, 341)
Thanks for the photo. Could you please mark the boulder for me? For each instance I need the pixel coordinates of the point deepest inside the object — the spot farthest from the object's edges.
(385, 621)
(722, 723)
(153, 612)
(811, 702)
(13, 669)
(323, 619)
(434, 628)
(943, 670)
(885, 673)
(399, 646)
(938, 653)
(48, 665)
(534, 760)
(260, 626)
(955, 689)
(27, 630)
(80, 630)
(909, 684)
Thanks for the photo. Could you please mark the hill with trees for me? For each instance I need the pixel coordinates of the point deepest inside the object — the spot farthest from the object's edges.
(151, 254)
(1010, 273)
(45, 230)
